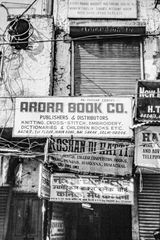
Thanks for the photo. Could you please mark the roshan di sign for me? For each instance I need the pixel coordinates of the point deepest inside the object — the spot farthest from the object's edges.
(92, 156)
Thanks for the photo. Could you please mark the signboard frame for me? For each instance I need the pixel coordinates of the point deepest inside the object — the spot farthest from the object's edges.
(92, 155)
(147, 148)
(103, 117)
(91, 189)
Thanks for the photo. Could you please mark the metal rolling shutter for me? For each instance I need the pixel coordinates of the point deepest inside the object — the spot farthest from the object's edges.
(4, 191)
(149, 206)
(106, 67)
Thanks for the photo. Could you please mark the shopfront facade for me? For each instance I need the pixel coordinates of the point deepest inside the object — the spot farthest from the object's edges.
(106, 54)
(86, 150)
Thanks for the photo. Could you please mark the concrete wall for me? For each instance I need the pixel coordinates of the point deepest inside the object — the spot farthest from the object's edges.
(148, 16)
(29, 176)
(26, 72)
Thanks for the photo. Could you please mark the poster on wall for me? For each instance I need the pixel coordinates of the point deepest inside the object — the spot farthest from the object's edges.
(147, 151)
(148, 101)
(118, 9)
(57, 230)
(92, 155)
(69, 188)
(99, 117)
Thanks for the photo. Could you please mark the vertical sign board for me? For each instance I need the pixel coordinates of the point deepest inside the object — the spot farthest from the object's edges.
(92, 155)
(148, 101)
(68, 188)
(44, 182)
(57, 227)
(147, 142)
(118, 9)
(77, 116)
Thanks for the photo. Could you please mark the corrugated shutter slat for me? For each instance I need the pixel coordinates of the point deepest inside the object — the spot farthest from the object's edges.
(149, 206)
(107, 67)
(3, 205)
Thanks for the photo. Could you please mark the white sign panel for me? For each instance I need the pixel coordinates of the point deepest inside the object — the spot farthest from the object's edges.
(148, 146)
(67, 188)
(92, 156)
(44, 182)
(57, 228)
(102, 9)
(77, 116)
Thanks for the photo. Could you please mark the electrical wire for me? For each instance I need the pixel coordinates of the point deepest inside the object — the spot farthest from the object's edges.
(89, 37)
(26, 10)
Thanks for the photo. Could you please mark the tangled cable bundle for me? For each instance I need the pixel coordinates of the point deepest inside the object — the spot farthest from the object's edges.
(19, 31)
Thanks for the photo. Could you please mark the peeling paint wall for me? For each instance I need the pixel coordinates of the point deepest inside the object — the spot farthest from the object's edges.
(30, 176)
(26, 72)
(148, 16)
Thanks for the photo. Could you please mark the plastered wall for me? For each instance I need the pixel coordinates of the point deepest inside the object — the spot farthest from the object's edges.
(148, 16)
(26, 72)
(29, 176)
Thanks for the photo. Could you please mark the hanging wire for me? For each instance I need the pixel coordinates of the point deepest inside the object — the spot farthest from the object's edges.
(28, 8)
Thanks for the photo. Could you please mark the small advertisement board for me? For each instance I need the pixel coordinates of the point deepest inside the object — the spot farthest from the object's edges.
(92, 155)
(118, 9)
(69, 188)
(57, 229)
(148, 101)
(147, 152)
(99, 117)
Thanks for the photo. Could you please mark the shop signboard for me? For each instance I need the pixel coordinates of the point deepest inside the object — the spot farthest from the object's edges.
(92, 155)
(148, 101)
(118, 9)
(90, 189)
(81, 31)
(147, 152)
(99, 117)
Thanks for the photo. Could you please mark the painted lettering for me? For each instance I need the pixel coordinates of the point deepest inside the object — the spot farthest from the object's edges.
(115, 108)
(84, 107)
(41, 107)
(146, 93)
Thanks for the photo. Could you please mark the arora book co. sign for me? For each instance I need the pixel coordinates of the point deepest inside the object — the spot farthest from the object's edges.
(77, 116)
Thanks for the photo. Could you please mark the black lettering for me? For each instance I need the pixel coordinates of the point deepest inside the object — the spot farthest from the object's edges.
(24, 107)
(33, 106)
(146, 137)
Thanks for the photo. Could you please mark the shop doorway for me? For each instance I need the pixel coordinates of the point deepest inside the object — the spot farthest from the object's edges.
(101, 222)
(25, 219)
